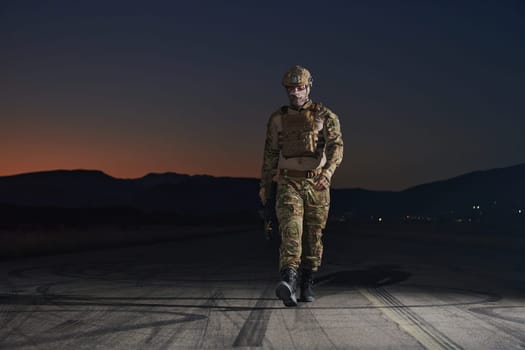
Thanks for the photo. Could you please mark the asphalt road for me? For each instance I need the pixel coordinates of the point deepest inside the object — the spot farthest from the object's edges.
(375, 291)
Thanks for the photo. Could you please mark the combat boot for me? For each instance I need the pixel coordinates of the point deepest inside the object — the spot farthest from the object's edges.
(307, 282)
(287, 287)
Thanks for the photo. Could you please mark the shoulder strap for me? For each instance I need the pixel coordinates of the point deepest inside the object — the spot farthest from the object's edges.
(319, 109)
(316, 107)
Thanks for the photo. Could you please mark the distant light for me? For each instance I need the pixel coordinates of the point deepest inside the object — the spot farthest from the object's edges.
(473, 207)
(519, 211)
(380, 219)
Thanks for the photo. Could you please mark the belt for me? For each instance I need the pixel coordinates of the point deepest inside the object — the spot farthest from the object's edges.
(300, 173)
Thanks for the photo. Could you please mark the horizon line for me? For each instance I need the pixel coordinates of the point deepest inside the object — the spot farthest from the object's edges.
(245, 177)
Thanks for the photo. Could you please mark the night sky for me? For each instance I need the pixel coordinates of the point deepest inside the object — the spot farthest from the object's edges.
(424, 90)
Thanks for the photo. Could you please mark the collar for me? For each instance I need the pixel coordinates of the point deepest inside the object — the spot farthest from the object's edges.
(305, 106)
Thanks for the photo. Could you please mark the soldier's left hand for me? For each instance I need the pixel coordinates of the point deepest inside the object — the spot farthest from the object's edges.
(321, 182)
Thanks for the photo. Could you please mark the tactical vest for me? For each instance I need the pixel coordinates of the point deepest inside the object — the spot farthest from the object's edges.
(298, 136)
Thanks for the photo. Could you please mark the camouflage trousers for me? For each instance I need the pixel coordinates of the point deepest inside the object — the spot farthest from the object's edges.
(302, 212)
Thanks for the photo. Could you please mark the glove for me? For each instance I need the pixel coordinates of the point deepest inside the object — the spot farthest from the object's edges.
(322, 181)
(262, 196)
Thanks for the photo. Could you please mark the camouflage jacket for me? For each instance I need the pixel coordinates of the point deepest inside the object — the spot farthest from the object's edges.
(329, 160)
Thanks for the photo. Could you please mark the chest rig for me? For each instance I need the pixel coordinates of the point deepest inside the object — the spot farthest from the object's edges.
(299, 137)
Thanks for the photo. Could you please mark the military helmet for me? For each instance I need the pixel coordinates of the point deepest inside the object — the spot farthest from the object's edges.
(297, 76)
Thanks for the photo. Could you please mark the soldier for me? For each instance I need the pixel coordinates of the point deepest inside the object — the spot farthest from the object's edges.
(303, 148)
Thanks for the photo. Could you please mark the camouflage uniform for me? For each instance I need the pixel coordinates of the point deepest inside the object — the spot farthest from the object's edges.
(302, 210)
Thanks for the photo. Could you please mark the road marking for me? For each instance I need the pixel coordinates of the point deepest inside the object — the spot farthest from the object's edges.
(408, 320)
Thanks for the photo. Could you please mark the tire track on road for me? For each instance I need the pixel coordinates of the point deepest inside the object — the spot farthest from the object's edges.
(307, 317)
(514, 333)
(253, 331)
(408, 320)
(211, 302)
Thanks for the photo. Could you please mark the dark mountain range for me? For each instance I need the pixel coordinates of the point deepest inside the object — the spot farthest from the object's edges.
(494, 192)
(498, 192)
(93, 188)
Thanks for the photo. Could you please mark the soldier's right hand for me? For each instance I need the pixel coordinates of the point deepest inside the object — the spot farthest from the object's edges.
(277, 176)
(262, 195)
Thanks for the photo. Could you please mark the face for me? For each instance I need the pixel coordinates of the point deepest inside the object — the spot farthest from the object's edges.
(298, 95)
